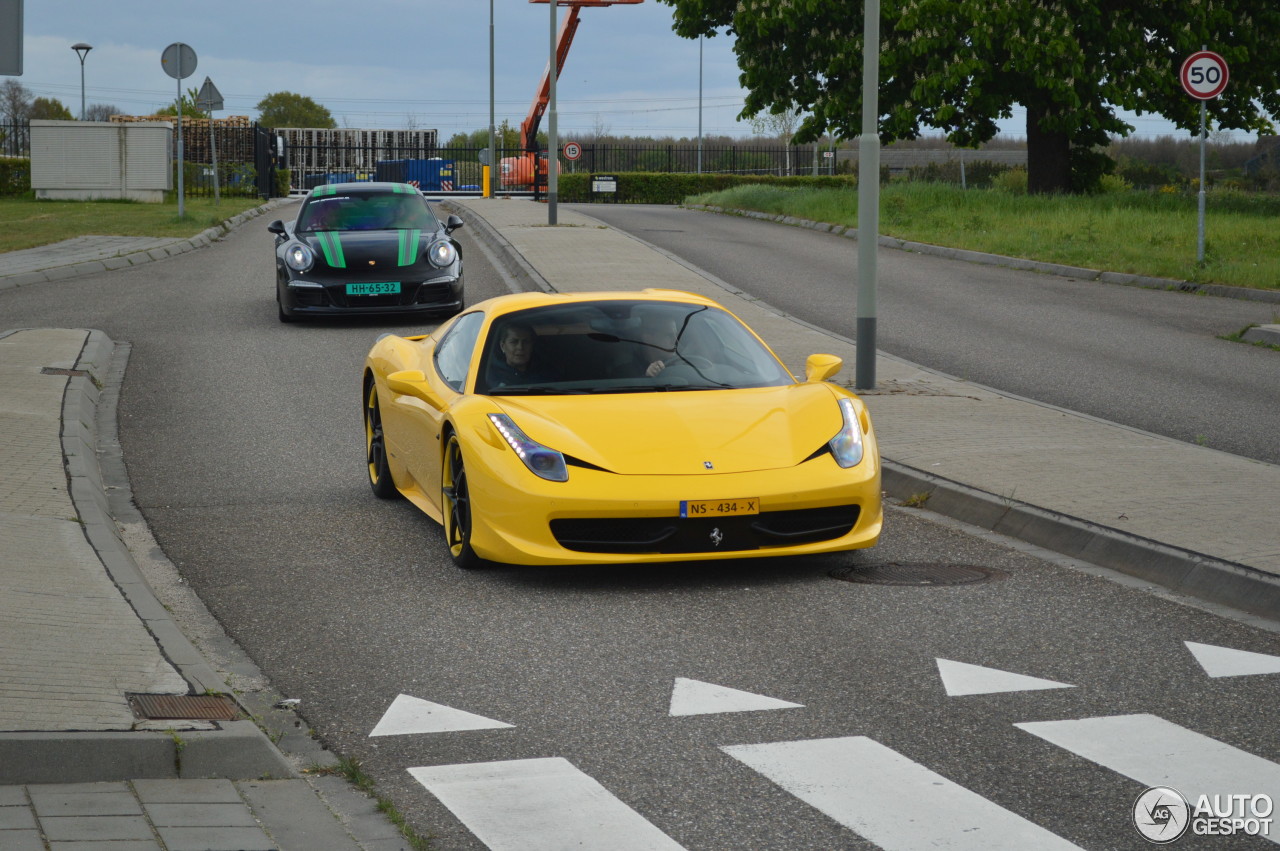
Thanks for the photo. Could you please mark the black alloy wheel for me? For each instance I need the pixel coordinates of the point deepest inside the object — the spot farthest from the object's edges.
(457, 507)
(376, 447)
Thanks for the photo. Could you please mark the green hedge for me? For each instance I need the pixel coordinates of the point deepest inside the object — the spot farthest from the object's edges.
(647, 187)
(15, 176)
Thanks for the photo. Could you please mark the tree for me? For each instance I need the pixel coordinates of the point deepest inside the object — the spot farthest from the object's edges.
(781, 124)
(286, 109)
(15, 101)
(101, 111)
(961, 65)
(189, 108)
(50, 108)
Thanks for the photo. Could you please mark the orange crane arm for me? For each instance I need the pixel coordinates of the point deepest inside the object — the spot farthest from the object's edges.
(529, 127)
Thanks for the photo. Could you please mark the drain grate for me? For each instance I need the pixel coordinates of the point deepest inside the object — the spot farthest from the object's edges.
(922, 575)
(184, 707)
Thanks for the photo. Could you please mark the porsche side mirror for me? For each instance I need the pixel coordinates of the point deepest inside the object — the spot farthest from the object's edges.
(821, 367)
(452, 223)
(276, 227)
(411, 382)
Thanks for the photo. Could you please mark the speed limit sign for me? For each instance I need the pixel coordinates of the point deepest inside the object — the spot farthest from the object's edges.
(572, 150)
(1204, 75)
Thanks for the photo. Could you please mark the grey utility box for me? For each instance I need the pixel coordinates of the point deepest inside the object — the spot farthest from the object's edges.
(83, 160)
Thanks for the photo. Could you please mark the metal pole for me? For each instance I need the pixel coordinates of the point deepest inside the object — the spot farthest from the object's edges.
(868, 199)
(181, 203)
(82, 88)
(1200, 226)
(213, 150)
(493, 150)
(553, 159)
(700, 39)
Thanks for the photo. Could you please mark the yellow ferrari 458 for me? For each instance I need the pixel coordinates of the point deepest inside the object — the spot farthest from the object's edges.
(617, 427)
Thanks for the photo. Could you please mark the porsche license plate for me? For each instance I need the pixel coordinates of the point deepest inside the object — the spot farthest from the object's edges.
(389, 288)
(719, 507)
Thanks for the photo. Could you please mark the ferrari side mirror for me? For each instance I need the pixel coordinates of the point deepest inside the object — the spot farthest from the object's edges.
(411, 382)
(276, 227)
(821, 367)
(452, 223)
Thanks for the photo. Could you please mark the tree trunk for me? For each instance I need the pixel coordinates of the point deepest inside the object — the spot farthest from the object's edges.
(1048, 157)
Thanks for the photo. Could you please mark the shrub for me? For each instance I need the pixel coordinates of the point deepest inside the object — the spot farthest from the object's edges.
(644, 187)
(15, 176)
(1013, 181)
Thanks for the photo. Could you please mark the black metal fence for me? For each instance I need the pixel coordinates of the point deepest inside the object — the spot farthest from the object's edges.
(245, 155)
(15, 140)
(460, 169)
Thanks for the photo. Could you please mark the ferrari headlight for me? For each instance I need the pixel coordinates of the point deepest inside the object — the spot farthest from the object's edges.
(298, 257)
(541, 460)
(846, 446)
(441, 253)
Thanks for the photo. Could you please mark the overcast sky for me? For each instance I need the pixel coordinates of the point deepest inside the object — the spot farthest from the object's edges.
(401, 63)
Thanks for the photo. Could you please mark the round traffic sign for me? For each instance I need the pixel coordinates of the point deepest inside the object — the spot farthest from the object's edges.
(178, 60)
(572, 150)
(1204, 75)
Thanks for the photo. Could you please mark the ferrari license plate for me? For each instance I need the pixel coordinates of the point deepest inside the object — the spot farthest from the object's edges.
(389, 288)
(719, 507)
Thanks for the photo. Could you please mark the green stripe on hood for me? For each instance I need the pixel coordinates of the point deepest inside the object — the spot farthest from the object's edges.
(331, 244)
(409, 246)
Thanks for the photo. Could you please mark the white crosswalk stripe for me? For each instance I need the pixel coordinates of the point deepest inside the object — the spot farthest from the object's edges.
(539, 805)
(889, 799)
(1156, 752)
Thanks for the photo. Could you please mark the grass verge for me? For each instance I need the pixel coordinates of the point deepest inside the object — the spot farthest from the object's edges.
(1135, 232)
(350, 769)
(27, 223)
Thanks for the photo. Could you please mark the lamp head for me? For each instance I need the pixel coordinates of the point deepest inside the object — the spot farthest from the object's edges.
(82, 50)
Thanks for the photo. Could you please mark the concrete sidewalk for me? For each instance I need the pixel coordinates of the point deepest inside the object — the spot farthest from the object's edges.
(82, 626)
(84, 636)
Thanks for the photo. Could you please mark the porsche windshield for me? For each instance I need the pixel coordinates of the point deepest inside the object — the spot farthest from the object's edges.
(623, 347)
(384, 210)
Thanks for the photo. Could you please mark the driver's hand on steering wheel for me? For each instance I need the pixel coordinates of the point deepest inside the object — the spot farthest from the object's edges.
(655, 368)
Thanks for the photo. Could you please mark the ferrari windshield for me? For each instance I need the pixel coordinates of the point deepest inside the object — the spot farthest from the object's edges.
(381, 209)
(631, 346)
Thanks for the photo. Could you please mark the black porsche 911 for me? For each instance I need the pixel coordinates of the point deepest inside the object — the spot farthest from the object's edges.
(367, 248)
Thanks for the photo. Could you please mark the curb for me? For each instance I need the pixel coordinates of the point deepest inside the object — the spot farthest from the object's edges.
(982, 258)
(137, 258)
(239, 750)
(1181, 571)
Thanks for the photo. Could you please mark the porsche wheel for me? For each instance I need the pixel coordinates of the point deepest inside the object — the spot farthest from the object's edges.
(376, 447)
(456, 503)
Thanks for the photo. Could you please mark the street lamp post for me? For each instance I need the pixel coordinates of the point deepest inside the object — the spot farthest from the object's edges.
(82, 50)
(493, 148)
(699, 104)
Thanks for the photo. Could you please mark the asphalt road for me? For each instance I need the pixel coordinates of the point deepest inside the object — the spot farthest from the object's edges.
(1146, 358)
(243, 443)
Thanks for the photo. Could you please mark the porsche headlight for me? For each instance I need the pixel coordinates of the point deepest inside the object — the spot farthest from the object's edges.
(298, 257)
(541, 460)
(441, 253)
(846, 446)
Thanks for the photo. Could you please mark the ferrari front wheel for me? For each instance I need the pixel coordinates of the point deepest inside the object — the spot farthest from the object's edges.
(456, 505)
(375, 445)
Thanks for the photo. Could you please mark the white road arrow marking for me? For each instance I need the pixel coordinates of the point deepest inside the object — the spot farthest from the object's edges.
(539, 805)
(693, 697)
(1226, 662)
(890, 800)
(409, 715)
(960, 678)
